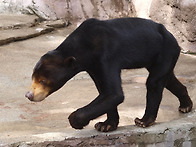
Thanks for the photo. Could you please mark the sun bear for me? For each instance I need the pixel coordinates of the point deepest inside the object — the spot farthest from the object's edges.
(102, 49)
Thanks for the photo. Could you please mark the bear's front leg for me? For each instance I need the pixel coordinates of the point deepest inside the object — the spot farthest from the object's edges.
(108, 83)
(101, 105)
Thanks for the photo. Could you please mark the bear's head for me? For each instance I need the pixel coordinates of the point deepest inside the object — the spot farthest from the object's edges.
(50, 73)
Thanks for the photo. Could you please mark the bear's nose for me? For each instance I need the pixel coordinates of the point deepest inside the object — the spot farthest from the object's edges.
(29, 95)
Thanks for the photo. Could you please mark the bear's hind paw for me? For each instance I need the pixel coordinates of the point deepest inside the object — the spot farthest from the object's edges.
(185, 110)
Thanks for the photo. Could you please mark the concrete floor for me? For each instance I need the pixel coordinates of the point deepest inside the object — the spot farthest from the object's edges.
(25, 121)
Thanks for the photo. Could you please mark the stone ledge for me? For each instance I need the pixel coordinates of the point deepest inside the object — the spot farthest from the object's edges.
(18, 29)
(175, 133)
(22, 34)
(16, 21)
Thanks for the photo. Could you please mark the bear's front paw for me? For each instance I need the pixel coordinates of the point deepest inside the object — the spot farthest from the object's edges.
(77, 120)
(106, 126)
(145, 122)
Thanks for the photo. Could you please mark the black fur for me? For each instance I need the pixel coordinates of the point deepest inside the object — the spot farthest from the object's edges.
(103, 48)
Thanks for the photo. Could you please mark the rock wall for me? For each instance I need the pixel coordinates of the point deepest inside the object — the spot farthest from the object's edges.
(179, 16)
(70, 9)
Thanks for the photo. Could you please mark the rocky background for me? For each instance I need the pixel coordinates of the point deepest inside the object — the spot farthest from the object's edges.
(179, 16)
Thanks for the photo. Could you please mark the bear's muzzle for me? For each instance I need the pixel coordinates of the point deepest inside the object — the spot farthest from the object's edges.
(37, 92)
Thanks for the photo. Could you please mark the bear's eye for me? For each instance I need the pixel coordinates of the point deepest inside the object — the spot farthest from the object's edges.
(42, 82)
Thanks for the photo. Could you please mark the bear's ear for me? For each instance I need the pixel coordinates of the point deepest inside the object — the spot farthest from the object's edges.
(70, 61)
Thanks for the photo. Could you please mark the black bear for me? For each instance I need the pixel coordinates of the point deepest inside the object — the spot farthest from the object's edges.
(102, 49)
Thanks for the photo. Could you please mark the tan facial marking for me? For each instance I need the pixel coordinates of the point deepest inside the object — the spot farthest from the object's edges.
(39, 91)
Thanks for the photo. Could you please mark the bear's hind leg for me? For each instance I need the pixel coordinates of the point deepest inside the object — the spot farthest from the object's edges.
(158, 76)
(180, 91)
(155, 88)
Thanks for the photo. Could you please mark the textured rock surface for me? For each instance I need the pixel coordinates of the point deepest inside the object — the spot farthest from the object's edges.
(168, 137)
(69, 9)
(180, 18)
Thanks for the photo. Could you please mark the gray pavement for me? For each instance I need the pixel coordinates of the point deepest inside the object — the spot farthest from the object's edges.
(24, 122)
